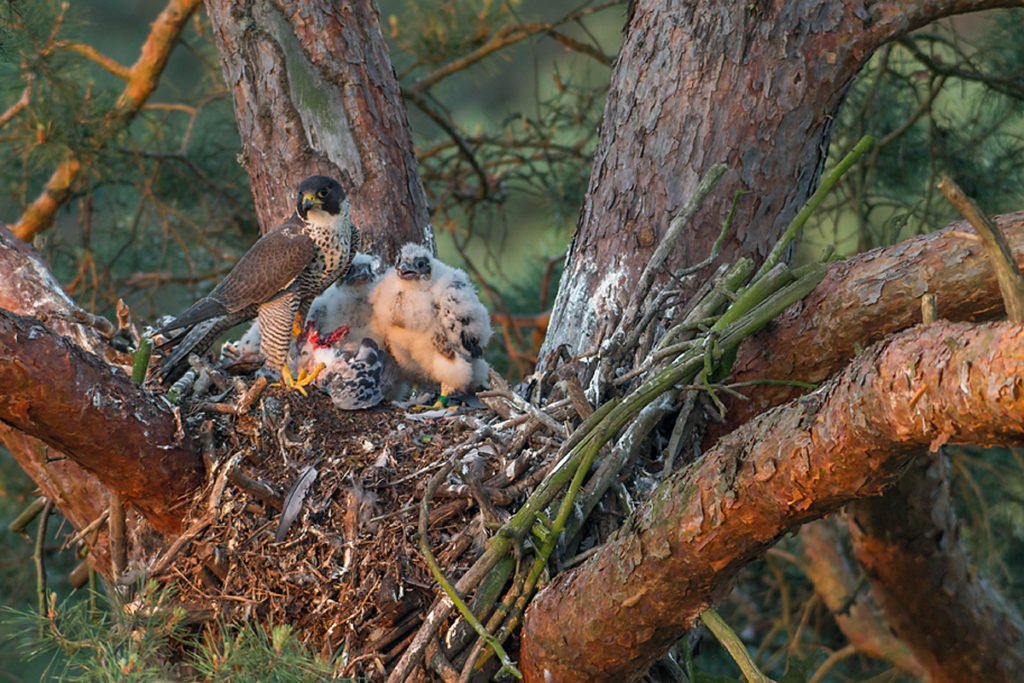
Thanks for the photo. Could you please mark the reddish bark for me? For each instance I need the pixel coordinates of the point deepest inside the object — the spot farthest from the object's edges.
(754, 85)
(618, 612)
(315, 92)
(78, 495)
(862, 300)
(28, 288)
(920, 573)
(76, 403)
(836, 583)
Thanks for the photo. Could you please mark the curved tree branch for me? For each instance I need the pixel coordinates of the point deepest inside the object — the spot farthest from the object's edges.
(957, 624)
(861, 300)
(680, 553)
(142, 79)
(827, 565)
(72, 401)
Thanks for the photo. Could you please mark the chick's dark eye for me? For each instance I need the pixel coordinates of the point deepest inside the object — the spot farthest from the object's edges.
(323, 192)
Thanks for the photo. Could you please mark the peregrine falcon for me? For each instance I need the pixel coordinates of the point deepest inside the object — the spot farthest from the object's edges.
(275, 281)
(344, 303)
(432, 322)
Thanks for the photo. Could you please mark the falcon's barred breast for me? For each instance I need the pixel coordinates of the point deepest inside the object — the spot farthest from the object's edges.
(276, 280)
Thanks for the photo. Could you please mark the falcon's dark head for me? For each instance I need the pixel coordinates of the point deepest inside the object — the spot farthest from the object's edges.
(413, 262)
(319, 192)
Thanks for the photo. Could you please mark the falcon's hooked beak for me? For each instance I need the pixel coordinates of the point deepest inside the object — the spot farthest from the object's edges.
(309, 201)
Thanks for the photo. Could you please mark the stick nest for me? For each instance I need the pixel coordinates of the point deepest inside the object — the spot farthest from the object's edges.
(347, 574)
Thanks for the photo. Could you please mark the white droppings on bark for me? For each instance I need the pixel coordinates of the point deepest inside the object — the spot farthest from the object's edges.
(583, 308)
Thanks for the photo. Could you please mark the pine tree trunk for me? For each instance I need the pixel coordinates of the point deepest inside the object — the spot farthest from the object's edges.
(755, 85)
(315, 93)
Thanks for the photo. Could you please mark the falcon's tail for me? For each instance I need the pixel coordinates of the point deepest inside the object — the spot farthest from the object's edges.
(197, 340)
(204, 309)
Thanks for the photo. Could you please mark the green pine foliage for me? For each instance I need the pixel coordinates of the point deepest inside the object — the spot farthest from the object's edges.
(149, 639)
(944, 100)
(163, 204)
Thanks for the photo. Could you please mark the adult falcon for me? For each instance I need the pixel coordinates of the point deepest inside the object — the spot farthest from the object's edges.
(432, 322)
(275, 281)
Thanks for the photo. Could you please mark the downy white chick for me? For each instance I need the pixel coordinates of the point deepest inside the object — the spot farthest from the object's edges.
(432, 322)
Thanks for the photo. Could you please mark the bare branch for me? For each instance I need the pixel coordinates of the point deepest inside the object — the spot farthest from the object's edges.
(141, 82)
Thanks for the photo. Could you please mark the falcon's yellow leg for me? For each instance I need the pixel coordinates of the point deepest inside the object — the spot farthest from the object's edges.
(298, 383)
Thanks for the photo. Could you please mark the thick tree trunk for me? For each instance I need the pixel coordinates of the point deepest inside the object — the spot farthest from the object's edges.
(958, 626)
(753, 85)
(619, 611)
(315, 92)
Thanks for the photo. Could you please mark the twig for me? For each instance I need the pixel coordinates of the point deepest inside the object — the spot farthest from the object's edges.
(1011, 285)
(507, 665)
(828, 181)
(670, 239)
(842, 653)
(141, 361)
(194, 530)
(40, 561)
(118, 537)
(731, 642)
(86, 530)
(256, 488)
(27, 515)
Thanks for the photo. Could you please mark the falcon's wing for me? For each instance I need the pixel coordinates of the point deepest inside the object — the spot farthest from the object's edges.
(267, 268)
(465, 323)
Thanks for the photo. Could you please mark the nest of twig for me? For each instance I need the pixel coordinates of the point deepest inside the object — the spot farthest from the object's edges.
(412, 545)
(309, 515)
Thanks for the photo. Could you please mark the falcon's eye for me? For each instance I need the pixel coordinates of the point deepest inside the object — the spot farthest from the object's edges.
(323, 192)
(421, 263)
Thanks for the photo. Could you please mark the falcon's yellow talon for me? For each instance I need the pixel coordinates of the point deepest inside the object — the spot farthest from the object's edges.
(303, 380)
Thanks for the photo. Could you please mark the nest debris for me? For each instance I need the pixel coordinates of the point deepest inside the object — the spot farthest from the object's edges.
(347, 573)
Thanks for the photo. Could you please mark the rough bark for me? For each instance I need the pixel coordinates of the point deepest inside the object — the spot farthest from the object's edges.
(957, 624)
(682, 549)
(753, 85)
(861, 300)
(315, 92)
(835, 582)
(119, 432)
(29, 289)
